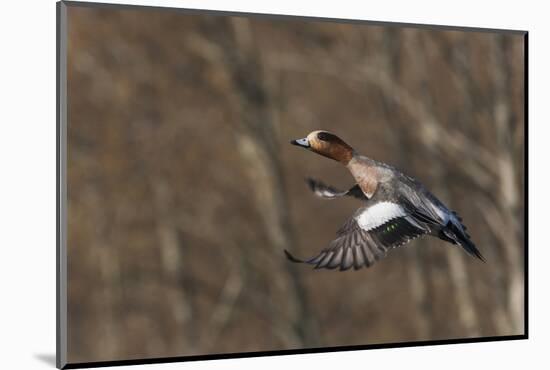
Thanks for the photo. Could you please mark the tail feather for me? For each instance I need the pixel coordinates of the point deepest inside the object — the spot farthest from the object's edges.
(470, 247)
(461, 238)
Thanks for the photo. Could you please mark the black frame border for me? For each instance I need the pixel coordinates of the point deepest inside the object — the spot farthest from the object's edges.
(61, 190)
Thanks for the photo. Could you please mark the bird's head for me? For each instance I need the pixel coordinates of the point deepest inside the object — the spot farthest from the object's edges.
(326, 144)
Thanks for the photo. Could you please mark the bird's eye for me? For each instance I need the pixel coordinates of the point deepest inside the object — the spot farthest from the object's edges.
(323, 136)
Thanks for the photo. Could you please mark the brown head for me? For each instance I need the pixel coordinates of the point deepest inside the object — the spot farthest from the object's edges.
(328, 145)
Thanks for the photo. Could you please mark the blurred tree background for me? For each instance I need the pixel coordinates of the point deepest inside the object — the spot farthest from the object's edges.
(184, 191)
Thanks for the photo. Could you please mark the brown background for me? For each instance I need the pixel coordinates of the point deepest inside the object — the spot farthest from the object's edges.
(184, 191)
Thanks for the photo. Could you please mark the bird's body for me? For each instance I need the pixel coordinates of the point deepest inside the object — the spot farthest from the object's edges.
(396, 209)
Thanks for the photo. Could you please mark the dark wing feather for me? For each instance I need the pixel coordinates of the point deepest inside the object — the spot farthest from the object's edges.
(399, 231)
(355, 247)
(328, 192)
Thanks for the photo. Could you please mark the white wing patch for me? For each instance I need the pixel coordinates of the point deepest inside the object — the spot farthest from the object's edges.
(379, 214)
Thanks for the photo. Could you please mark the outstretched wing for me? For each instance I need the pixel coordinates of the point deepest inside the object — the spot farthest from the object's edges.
(328, 192)
(367, 237)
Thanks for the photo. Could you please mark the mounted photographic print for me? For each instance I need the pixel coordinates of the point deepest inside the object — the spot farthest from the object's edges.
(236, 184)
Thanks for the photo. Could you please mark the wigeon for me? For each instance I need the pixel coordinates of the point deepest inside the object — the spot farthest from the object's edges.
(397, 209)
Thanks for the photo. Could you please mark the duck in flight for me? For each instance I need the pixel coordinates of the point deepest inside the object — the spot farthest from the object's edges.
(396, 209)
